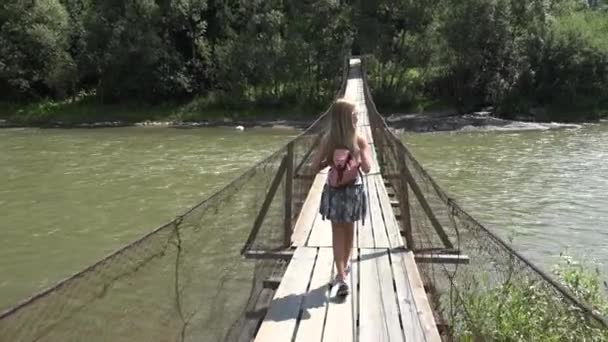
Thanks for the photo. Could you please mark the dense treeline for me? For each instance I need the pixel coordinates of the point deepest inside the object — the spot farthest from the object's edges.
(266, 51)
(515, 55)
(545, 57)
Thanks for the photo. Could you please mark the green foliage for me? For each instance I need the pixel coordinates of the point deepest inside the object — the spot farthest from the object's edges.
(523, 309)
(264, 52)
(514, 55)
(33, 48)
(572, 72)
(584, 282)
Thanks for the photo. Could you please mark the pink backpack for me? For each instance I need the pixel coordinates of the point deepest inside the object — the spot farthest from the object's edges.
(344, 169)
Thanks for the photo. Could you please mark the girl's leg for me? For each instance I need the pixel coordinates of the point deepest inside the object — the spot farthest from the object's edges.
(338, 243)
(349, 234)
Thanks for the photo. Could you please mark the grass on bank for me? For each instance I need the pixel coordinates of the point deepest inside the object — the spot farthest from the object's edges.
(86, 109)
(523, 309)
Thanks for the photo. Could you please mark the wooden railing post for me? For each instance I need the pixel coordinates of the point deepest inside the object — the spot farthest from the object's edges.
(424, 203)
(404, 204)
(257, 224)
(287, 226)
(381, 146)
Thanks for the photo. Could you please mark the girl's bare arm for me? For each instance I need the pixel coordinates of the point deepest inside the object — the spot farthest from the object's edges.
(366, 161)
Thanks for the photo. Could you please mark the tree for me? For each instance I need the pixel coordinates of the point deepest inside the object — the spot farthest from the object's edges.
(34, 58)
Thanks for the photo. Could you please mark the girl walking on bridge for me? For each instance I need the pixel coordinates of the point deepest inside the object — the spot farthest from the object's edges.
(343, 200)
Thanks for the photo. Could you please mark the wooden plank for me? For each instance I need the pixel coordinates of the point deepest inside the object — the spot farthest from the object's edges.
(321, 233)
(364, 231)
(441, 258)
(436, 250)
(339, 324)
(309, 211)
(363, 119)
(373, 152)
(390, 221)
(326, 237)
(354, 289)
(284, 254)
(405, 298)
(423, 308)
(375, 168)
(315, 303)
(374, 159)
(378, 227)
(280, 322)
(372, 326)
(389, 298)
(272, 282)
(367, 131)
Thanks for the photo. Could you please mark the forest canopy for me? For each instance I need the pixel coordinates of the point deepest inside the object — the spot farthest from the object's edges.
(513, 55)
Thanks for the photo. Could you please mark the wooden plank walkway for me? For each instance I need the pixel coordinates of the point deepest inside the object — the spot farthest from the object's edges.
(387, 300)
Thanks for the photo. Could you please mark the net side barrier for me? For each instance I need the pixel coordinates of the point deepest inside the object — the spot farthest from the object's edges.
(186, 280)
(493, 272)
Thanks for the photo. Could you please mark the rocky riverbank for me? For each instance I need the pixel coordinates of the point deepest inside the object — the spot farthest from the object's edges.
(413, 122)
(451, 121)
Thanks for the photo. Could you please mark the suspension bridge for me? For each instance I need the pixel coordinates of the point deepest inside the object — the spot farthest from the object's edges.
(388, 302)
(252, 262)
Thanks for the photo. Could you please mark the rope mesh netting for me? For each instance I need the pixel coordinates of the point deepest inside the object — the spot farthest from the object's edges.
(186, 280)
(498, 290)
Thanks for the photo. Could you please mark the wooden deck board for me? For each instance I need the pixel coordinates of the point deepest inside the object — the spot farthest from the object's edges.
(366, 237)
(339, 324)
(372, 324)
(409, 317)
(321, 233)
(354, 288)
(378, 226)
(389, 298)
(392, 227)
(309, 210)
(315, 304)
(423, 308)
(280, 321)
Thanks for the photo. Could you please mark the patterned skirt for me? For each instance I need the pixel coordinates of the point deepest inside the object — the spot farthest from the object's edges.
(345, 205)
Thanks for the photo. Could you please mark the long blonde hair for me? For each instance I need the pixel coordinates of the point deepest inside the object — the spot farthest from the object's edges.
(342, 132)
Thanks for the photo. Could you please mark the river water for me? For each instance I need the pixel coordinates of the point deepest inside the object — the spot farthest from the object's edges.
(69, 197)
(547, 190)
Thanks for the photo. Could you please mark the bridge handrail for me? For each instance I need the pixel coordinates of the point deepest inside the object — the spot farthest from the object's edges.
(59, 310)
(386, 139)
